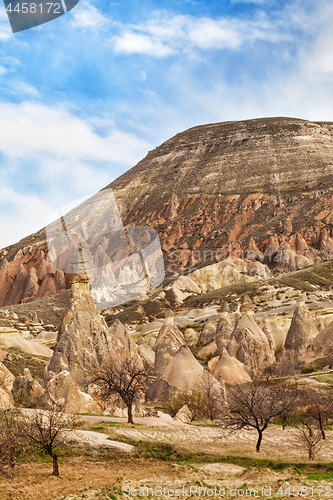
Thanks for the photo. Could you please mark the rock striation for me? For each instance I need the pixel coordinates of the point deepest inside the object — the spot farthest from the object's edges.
(225, 197)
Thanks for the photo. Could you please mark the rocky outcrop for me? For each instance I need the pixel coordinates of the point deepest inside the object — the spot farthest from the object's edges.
(191, 337)
(208, 333)
(224, 329)
(207, 351)
(84, 344)
(16, 292)
(6, 400)
(322, 344)
(64, 391)
(31, 286)
(6, 378)
(171, 211)
(27, 391)
(302, 331)
(248, 342)
(183, 373)
(6, 282)
(218, 204)
(147, 354)
(168, 342)
(228, 369)
(183, 415)
(6, 384)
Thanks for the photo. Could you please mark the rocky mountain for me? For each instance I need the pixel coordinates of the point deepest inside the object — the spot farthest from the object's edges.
(258, 192)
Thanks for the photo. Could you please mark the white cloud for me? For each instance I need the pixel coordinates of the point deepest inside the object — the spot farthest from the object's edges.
(26, 215)
(135, 43)
(50, 157)
(86, 16)
(161, 37)
(25, 89)
(33, 129)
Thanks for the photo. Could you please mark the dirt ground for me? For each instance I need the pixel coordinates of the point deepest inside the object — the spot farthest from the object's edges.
(277, 444)
(33, 481)
(87, 475)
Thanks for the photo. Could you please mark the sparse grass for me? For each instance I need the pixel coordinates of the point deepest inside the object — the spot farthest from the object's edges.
(16, 360)
(104, 426)
(328, 378)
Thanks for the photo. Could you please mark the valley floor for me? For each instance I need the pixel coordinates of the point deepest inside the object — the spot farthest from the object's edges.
(162, 458)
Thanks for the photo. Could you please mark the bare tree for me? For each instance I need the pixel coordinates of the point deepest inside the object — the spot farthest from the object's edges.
(309, 436)
(204, 403)
(13, 443)
(316, 406)
(213, 395)
(126, 378)
(255, 405)
(282, 368)
(48, 430)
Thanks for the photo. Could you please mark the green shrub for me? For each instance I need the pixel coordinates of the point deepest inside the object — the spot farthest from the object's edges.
(309, 369)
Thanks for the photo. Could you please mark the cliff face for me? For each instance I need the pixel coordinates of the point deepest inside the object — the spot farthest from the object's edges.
(260, 190)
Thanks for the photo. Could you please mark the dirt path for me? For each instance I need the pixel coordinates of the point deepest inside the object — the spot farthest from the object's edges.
(99, 439)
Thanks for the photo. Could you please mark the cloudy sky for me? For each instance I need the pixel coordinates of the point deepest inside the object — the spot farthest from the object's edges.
(84, 97)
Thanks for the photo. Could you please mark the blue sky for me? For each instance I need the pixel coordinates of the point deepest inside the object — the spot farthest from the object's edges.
(84, 97)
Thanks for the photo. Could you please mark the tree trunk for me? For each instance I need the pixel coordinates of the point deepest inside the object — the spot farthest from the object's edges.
(259, 441)
(130, 415)
(55, 465)
(322, 429)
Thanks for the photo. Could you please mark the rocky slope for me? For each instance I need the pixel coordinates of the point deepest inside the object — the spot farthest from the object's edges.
(258, 191)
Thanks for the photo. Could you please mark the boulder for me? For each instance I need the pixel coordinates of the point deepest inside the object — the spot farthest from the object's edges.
(168, 341)
(149, 340)
(6, 400)
(147, 354)
(208, 334)
(191, 337)
(229, 369)
(62, 390)
(183, 415)
(26, 390)
(208, 350)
